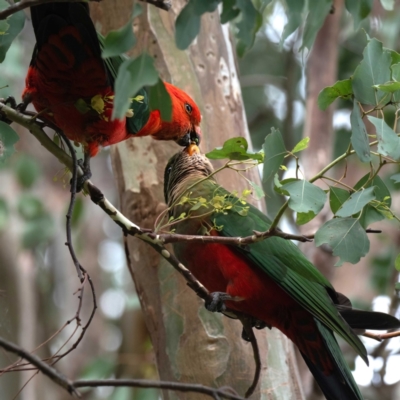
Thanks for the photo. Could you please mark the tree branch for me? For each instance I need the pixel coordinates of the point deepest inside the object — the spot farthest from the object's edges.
(52, 373)
(71, 386)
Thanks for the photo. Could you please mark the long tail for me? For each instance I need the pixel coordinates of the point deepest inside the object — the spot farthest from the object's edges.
(337, 383)
(360, 320)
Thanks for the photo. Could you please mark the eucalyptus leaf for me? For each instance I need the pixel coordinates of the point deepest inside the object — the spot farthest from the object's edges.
(121, 40)
(373, 70)
(337, 197)
(356, 202)
(303, 218)
(10, 29)
(329, 94)
(359, 9)
(187, 25)
(160, 100)
(346, 237)
(229, 11)
(249, 24)
(381, 191)
(388, 141)
(294, 10)
(304, 196)
(133, 74)
(317, 12)
(274, 154)
(234, 149)
(395, 178)
(359, 135)
(302, 145)
(388, 87)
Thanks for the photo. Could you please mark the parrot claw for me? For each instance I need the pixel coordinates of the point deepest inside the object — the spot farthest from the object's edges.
(217, 301)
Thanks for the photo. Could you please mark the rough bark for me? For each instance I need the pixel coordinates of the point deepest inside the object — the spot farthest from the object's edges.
(191, 344)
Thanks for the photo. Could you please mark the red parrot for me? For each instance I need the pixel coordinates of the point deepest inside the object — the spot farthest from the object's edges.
(72, 86)
(271, 280)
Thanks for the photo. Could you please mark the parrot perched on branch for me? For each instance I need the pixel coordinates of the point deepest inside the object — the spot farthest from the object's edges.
(270, 281)
(70, 84)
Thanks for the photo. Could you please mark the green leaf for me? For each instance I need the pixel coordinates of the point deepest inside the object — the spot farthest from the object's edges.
(395, 178)
(370, 214)
(234, 149)
(388, 87)
(15, 24)
(337, 197)
(121, 40)
(229, 11)
(373, 70)
(8, 137)
(359, 135)
(249, 24)
(27, 170)
(329, 94)
(397, 285)
(359, 10)
(294, 10)
(388, 141)
(346, 237)
(161, 100)
(396, 77)
(274, 153)
(318, 10)
(387, 4)
(187, 25)
(356, 202)
(302, 145)
(133, 74)
(303, 218)
(305, 197)
(4, 213)
(381, 191)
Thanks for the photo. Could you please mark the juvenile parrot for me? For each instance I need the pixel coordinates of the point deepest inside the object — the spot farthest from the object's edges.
(70, 84)
(271, 280)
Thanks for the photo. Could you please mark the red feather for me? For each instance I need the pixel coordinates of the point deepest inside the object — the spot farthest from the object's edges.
(67, 72)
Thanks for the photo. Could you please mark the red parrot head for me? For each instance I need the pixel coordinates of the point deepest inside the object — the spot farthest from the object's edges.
(184, 127)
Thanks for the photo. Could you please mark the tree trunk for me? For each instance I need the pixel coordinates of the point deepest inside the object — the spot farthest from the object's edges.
(190, 343)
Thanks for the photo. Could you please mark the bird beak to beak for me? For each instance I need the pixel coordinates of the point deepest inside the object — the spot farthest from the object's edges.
(194, 136)
(192, 149)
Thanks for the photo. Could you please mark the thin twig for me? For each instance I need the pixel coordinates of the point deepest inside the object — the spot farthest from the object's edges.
(145, 383)
(53, 374)
(381, 336)
(71, 386)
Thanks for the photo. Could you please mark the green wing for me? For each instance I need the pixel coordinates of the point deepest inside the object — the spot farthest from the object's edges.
(141, 111)
(287, 265)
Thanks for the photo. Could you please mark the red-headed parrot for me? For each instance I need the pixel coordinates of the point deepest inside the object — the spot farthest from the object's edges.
(67, 74)
(271, 280)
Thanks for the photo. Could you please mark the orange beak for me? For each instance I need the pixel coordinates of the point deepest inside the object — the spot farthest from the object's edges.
(192, 149)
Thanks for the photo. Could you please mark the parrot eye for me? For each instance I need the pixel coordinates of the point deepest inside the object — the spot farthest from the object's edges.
(188, 108)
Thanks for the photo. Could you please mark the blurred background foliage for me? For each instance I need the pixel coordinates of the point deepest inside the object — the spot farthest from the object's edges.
(38, 278)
